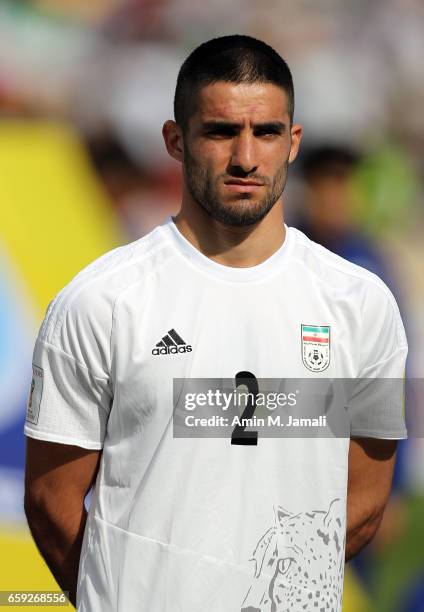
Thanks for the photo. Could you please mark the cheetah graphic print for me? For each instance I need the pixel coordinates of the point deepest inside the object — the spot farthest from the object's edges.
(299, 563)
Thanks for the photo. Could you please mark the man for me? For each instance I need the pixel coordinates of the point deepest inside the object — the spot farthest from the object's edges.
(223, 291)
(328, 173)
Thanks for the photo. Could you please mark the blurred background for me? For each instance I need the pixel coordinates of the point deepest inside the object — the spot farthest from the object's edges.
(84, 90)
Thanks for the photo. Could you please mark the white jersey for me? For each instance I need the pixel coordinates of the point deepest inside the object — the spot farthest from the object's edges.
(179, 524)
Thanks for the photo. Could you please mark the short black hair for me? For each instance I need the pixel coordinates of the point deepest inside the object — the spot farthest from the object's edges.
(235, 59)
(328, 160)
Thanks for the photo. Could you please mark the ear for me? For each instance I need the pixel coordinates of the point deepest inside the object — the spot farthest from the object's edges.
(296, 136)
(332, 524)
(334, 514)
(281, 515)
(173, 137)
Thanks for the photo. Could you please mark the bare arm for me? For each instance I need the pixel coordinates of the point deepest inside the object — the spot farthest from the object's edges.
(371, 465)
(57, 479)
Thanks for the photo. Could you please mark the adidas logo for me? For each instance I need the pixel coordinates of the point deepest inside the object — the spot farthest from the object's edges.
(171, 344)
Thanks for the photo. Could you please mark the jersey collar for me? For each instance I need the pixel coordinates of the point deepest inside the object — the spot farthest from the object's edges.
(267, 268)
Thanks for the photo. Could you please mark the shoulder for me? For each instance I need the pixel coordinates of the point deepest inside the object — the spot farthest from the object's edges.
(335, 270)
(361, 290)
(88, 300)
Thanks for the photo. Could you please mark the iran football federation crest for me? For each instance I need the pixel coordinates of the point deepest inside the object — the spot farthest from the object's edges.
(316, 347)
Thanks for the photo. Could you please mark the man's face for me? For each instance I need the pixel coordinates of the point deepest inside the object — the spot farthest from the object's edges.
(237, 147)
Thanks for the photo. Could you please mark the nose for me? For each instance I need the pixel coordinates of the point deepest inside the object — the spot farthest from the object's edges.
(243, 154)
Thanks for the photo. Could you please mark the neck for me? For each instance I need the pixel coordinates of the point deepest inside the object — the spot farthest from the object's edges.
(238, 247)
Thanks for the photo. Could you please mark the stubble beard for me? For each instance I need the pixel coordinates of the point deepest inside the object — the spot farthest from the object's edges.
(241, 211)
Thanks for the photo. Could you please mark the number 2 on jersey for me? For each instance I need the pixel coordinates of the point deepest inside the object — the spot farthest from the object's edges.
(240, 435)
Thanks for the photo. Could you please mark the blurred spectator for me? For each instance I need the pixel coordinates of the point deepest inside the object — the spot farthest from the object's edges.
(328, 219)
(142, 197)
(328, 211)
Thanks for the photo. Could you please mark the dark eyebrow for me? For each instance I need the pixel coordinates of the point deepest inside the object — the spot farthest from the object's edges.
(274, 126)
(220, 125)
(271, 126)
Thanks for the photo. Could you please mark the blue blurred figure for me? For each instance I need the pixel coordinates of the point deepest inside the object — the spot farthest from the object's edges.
(327, 218)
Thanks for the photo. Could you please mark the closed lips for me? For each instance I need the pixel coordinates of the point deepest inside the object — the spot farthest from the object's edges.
(244, 183)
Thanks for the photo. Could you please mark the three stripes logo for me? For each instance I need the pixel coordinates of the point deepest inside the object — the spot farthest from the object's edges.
(171, 344)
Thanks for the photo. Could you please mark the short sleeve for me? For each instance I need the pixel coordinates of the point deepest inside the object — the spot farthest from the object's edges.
(377, 399)
(71, 392)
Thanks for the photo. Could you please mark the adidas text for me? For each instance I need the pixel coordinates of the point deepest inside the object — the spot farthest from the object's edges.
(171, 350)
